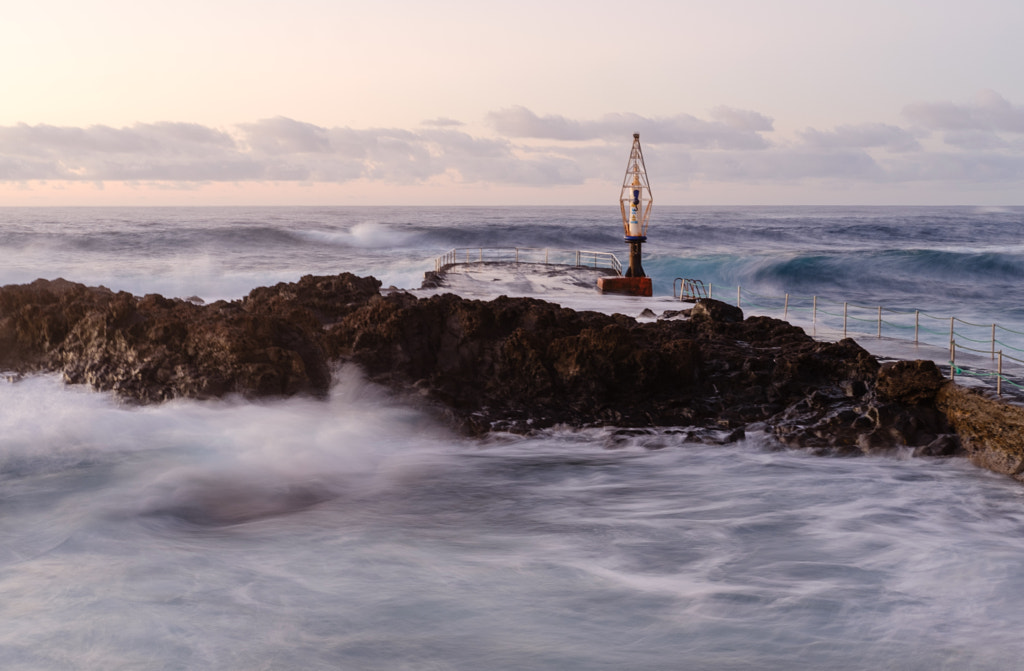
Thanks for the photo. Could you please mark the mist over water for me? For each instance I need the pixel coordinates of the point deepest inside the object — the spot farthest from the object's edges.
(354, 532)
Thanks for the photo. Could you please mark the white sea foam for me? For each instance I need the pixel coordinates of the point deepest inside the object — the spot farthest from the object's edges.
(365, 234)
(330, 527)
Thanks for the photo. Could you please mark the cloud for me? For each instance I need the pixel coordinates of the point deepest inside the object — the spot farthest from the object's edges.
(790, 165)
(982, 142)
(974, 140)
(277, 149)
(520, 122)
(735, 129)
(743, 119)
(989, 112)
(442, 122)
(179, 139)
(280, 135)
(159, 151)
(862, 136)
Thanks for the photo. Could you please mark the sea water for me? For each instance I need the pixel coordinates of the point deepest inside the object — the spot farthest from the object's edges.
(357, 533)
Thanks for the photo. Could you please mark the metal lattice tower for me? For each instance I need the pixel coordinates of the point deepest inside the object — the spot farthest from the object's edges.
(636, 200)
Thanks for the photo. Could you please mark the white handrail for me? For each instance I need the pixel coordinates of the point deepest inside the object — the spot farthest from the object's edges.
(543, 255)
(984, 338)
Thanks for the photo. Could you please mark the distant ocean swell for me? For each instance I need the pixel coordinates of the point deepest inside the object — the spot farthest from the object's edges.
(934, 276)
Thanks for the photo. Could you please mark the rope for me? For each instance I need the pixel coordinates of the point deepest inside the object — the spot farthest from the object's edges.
(970, 349)
(970, 324)
(793, 303)
(1016, 349)
(1010, 330)
(963, 371)
(960, 335)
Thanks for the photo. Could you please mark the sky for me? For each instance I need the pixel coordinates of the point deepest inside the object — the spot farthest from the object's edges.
(451, 102)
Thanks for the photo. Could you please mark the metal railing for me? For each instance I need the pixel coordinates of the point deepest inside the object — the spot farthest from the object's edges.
(988, 342)
(562, 257)
(686, 289)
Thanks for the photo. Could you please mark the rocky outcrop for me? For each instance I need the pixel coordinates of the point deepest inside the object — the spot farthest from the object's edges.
(992, 432)
(897, 410)
(153, 349)
(520, 363)
(512, 363)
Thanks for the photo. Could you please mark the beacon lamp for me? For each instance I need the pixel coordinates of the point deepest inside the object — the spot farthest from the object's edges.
(635, 205)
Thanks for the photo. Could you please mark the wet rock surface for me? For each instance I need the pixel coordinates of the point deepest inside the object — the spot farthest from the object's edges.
(514, 364)
(153, 349)
(992, 433)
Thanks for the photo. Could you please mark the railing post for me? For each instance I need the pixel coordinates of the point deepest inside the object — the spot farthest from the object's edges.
(545, 256)
(737, 295)
(481, 255)
(785, 308)
(917, 322)
(999, 377)
(951, 319)
(845, 311)
(879, 321)
(711, 290)
(517, 256)
(993, 341)
(952, 359)
(814, 311)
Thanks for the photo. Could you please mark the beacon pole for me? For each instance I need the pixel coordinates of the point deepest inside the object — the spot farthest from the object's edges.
(634, 232)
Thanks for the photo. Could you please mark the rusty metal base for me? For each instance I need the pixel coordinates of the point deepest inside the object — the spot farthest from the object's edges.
(631, 286)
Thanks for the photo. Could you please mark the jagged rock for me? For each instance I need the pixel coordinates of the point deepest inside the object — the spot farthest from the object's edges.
(152, 349)
(715, 310)
(946, 445)
(991, 432)
(910, 382)
(432, 280)
(35, 318)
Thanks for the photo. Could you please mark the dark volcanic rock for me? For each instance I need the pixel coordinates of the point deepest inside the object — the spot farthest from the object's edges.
(898, 411)
(709, 308)
(910, 382)
(526, 363)
(522, 359)
(511, 363)
(36, 318)
(152, 348)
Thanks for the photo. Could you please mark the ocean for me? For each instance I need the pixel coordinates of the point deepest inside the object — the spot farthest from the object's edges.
(355, 532)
